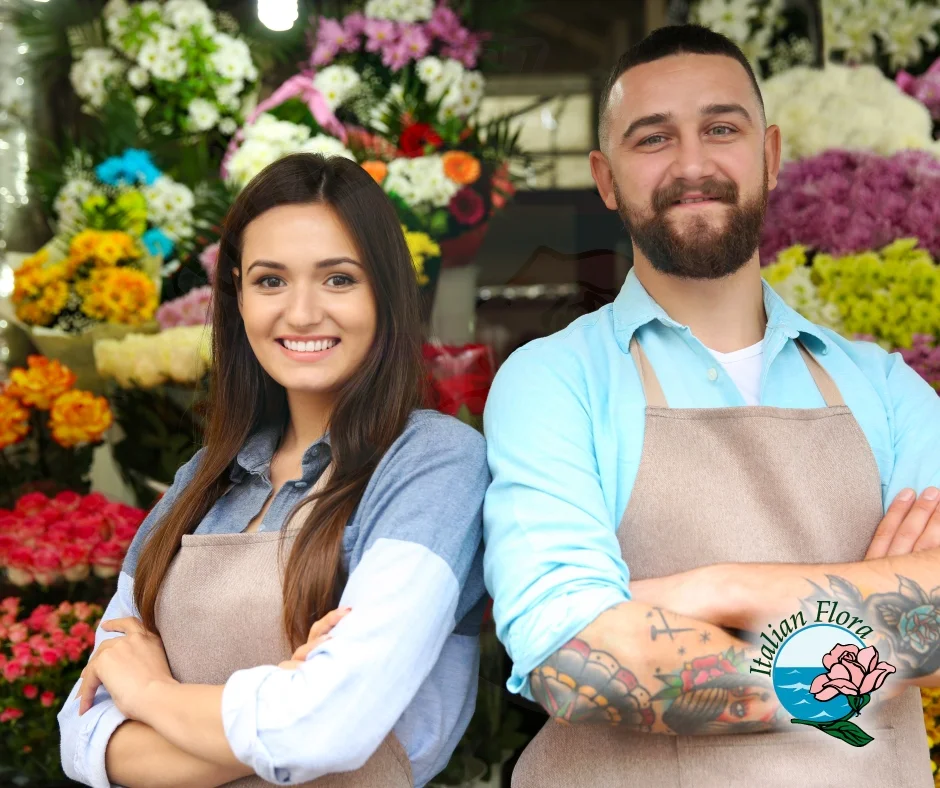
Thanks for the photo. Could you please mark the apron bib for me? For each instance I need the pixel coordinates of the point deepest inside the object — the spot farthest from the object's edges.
(219, 611)
(743, 484)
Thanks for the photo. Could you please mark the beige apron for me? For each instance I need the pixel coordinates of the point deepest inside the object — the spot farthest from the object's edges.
(743, 484)
(219, 611)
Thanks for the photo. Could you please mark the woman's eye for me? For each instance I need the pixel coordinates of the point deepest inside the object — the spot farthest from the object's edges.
(341, 280)
(268, 282)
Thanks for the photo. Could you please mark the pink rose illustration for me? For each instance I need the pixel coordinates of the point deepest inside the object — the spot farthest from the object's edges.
(851, 672)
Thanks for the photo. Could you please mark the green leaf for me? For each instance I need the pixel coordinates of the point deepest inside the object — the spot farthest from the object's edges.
(849, 732)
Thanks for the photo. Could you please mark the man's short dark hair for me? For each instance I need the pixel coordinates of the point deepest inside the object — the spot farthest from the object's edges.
(673, 40)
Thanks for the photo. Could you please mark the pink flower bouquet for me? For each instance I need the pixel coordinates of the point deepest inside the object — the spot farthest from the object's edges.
(41, 657)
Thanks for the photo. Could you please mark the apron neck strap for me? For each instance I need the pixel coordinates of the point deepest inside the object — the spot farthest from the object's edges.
(651, 388)
(656, 399)
(824, 382)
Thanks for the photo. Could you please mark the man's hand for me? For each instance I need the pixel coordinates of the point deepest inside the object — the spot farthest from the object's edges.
(319, 633)
(910, 525)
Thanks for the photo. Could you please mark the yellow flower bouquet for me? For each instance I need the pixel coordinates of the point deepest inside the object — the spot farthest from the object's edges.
(96, 284)
(48, 429)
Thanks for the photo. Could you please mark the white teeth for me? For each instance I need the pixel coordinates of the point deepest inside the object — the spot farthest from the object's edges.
(695, 199)
(313, 346)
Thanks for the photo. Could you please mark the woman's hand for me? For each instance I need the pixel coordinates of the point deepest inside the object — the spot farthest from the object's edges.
(128, 667)
(319, 633)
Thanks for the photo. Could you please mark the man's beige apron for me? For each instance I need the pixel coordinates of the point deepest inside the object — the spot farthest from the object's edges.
(219, 611)
(743, 484)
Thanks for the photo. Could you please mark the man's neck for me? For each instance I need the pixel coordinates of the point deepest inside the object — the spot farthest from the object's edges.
(724, 314)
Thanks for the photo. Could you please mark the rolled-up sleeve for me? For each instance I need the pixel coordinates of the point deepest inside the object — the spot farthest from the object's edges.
(421, 525)
(552, 562)
(83, 740)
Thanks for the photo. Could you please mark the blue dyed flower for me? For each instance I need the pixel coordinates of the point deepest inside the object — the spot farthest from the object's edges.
(139, 165)
(111, 171)
(158, 243)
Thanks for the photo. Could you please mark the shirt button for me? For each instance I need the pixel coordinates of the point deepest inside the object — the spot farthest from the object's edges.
(300, 485)
(713, 374)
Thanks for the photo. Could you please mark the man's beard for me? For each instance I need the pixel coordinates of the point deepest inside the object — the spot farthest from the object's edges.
(701, 251)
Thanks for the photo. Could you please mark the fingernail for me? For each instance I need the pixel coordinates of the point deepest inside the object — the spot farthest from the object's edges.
(906, 495)
(347, 610)
(931, 493)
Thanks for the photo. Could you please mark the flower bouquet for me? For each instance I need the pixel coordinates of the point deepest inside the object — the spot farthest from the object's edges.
(97, 284)
(842, 201)
(48, 430)
(460, 380)
(159, 385)
(130, 194)
(186, 70)
(70, 545)
(394, 88)
(843, 107)
(890, 296)
(42, 655)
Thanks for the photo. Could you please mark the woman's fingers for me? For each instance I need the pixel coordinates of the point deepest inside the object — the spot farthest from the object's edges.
(325, 624)
(306, 648)
(129, 626)
(90, 684)
(290, 664)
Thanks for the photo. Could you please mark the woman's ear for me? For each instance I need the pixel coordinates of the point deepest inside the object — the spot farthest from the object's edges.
(237, 281)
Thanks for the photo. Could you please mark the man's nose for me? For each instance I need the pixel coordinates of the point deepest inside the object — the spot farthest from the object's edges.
(692, 160)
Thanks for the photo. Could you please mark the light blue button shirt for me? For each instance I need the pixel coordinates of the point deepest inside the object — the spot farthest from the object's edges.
(564, 424)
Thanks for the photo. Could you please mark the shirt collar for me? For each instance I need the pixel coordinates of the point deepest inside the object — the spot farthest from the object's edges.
(256, 455)
(634, 307)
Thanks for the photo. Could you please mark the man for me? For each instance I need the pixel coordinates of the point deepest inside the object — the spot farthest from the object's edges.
(675, 469)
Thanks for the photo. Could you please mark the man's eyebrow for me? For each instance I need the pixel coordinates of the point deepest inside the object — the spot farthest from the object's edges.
(665, 117)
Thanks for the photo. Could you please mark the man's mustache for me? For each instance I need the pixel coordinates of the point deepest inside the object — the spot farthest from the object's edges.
(725, 191)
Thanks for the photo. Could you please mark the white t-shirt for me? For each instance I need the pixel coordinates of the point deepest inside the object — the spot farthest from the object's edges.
(744, 367)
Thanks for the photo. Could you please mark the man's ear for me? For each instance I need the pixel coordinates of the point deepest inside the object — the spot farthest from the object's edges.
(773, 143)
(603, 177)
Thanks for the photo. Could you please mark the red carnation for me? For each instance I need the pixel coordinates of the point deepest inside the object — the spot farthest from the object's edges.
(467, 206)
(415, 139)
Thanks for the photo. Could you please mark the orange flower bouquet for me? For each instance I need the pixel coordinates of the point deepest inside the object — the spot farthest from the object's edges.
(95, 285)
(48, 429)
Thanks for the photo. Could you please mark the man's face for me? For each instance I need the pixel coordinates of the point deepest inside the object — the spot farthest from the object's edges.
(688, 164)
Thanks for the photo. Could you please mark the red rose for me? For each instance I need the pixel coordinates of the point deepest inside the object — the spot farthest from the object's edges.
(467, 206)
(30, 691)
(415, 139)
(47, 698)
(32, 503)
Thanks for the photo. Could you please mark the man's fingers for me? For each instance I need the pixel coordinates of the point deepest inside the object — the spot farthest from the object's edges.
(930, 538)
(325, 624)
(290, 664)
(915, 522)
(890, 523)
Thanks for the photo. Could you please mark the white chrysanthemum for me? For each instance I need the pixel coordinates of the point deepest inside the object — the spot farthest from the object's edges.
(421, 181)
(232, 59)
(228, 126)
(143, 105)
(203, 115)
(731, 18)
(184, 14)
(327, 145)
(138, 77)
(91, 72)
(451, 73)
(68, 202)
(269, 129)
(252, 157)
(843, 107)
(400, 10)
(429, 69)
(170, 67)
(337, 84)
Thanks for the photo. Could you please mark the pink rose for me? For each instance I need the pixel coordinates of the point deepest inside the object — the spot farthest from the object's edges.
(850, 672)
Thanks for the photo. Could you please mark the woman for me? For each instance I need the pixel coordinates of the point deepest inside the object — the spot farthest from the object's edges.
(322, 486)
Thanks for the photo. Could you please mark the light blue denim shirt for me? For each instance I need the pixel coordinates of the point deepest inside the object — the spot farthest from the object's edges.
(413, 552)
(564, 424)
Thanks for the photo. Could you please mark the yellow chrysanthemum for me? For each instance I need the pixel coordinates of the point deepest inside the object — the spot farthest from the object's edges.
(421, 246)
(14, 421)
(41, 382)
(55, 295)
(85, 244)
(79, 417)
(119, 295)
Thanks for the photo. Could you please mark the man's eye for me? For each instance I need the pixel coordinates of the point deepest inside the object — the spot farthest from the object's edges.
(653, 140)
(727, 129)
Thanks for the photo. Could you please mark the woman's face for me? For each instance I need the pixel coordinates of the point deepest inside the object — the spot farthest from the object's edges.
(308, 307)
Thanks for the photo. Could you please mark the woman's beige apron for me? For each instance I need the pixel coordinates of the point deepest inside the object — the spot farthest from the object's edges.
(743, 484)
(219, 611)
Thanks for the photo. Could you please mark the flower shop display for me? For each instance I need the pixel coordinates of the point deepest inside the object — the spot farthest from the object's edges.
(186, 69)
(842, 201)
(844, 107)
(66, 539)
(460, 380)
(130, 194)
(925, 88)
(48, 429)
(889, 296)
(158, 392)
(42, 654)
(394, 88)
(191, 309)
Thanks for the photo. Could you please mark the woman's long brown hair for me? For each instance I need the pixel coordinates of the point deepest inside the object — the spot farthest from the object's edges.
(371, 408)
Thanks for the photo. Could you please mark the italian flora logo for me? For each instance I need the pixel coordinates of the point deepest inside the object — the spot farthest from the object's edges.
(824, 676)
